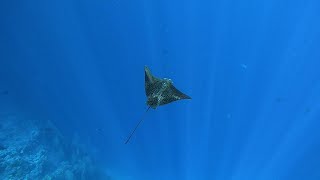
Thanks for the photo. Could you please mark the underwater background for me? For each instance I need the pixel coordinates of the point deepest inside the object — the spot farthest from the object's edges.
(72, 89)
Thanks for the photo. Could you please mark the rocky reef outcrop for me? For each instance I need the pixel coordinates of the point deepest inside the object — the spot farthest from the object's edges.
(31, 149)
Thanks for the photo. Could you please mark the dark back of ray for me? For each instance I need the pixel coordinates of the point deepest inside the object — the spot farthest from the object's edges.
(158, 93)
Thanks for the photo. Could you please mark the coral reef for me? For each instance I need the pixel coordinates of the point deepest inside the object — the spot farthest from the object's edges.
(32, 149)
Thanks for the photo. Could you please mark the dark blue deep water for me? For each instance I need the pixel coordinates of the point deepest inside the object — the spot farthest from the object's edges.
(252, 69)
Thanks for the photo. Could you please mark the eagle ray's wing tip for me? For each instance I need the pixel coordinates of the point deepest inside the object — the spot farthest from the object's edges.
(187, 97)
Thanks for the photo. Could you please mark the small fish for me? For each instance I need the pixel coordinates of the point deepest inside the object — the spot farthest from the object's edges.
(244, 66)
(159, 91)
(99, 130)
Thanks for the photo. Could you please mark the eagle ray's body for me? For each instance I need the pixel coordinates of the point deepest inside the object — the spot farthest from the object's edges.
(159, 92)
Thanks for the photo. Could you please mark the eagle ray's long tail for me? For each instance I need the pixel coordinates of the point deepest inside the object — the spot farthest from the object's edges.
(137, 126)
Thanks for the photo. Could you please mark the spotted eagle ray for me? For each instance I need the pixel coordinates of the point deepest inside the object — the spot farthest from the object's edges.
(159, 91)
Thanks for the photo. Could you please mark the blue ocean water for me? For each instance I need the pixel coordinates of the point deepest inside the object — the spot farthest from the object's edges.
(251, 68)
